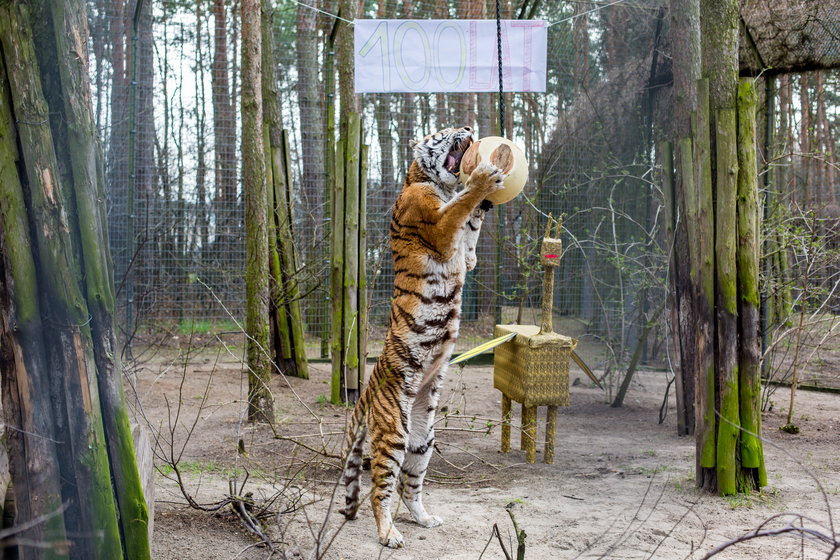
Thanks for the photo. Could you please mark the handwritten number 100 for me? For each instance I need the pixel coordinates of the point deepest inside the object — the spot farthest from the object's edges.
(380, 37)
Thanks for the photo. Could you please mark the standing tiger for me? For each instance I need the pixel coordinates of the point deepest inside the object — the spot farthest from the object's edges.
(434, 231)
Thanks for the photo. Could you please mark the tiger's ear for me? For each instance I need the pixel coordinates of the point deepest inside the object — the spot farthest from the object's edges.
(413, 143)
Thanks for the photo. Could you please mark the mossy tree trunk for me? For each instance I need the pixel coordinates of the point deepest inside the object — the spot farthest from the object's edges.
(288, 336)
(260, 400)
(749, 351)
(61, 375)
(348, 285)
(685, 272)
(716, 288)
(716, 187)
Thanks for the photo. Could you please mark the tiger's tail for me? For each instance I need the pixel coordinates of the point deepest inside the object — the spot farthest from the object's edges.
(354, 442)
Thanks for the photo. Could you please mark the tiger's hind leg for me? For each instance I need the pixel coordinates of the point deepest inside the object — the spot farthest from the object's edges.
(387, 445)
(421, 440)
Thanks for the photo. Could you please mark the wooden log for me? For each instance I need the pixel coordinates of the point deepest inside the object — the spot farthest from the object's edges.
(337, 276)
(23, 365)
(70, 31)
(665, 156)
(749, 356)
(146, 468)
(362, 251)
(350, 291)
(82, 453)
(298, 337)
(703, 298)
(727, 298)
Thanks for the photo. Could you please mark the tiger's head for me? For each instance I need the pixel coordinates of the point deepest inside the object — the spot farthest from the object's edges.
(439, 155)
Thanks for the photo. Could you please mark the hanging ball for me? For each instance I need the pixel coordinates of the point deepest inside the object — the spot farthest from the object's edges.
(505, 155)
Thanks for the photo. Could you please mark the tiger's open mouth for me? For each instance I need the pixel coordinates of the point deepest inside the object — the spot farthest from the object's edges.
(453, 160)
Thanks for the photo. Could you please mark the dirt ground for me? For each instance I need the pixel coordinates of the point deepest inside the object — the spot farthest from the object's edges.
(621, 486)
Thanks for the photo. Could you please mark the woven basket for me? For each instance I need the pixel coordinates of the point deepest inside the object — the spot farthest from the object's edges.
(533, 368)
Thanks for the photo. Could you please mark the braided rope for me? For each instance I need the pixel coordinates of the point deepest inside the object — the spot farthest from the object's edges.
(501, 75)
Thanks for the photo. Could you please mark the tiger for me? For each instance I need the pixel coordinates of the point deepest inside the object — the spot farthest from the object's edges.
(434, 232)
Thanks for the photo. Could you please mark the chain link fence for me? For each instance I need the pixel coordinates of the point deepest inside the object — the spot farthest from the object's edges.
(169, 124)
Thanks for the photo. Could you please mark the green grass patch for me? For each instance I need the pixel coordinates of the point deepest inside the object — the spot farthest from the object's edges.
(198, 326)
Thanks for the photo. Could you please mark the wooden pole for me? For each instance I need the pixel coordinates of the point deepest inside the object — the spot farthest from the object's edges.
(86, 164)
(696, 166)
(362, 251)
(298, 337)
(82, 453)
(350, 292)
(665, 154)
(23, 364)
(337, 275)
(505, 423)
(727, 297)
(749, 357)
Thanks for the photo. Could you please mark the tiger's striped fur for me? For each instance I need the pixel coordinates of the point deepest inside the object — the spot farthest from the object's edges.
(434, 231)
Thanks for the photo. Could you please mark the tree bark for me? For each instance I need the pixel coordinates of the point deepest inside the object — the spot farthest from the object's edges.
(58, 280)
(23, 365)
(69, 21)
(290, 352)
(344, 51)
(685, 29)
(260, 400)
(224, 124)
(749, 351)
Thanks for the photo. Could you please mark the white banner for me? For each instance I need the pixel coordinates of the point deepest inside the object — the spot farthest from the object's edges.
(445, 55)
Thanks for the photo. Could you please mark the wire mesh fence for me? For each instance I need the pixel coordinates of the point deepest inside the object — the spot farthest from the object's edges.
(169, 123)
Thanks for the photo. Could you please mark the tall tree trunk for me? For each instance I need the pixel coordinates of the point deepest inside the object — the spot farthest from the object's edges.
(685, 28)
(344, 52)
(260, 401)
(290, 343)
(224, 138)
(202, 217)
(312, 147)
(825, 141)
(145, 268)
(805, 145)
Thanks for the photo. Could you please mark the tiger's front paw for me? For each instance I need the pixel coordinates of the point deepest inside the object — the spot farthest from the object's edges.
(486, 179)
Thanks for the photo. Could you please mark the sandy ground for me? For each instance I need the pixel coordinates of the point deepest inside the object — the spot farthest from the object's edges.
(622, 485)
